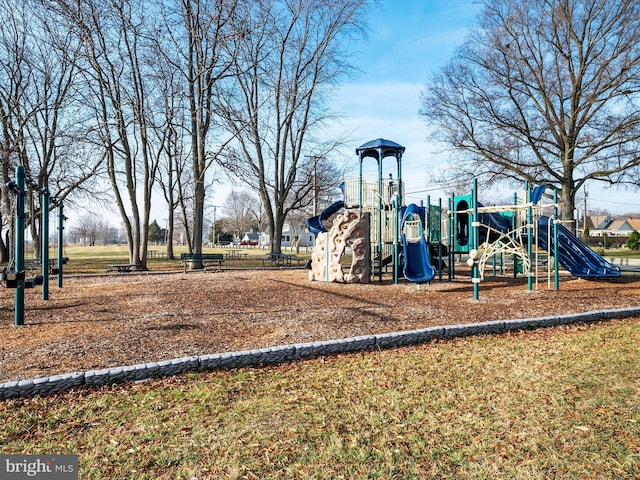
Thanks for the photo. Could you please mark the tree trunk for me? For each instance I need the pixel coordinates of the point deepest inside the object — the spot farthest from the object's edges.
(169, 233)
(567, 198)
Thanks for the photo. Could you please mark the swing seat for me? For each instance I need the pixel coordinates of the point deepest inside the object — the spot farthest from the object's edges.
(38, 279)
(54, 270)
(29, 282)
(12, 278)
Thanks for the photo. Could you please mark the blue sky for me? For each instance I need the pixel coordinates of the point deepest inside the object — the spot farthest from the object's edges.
(409, 39)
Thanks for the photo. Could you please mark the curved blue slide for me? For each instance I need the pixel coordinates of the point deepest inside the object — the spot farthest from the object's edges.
(417, 268)
(575, 255)
(315, 223)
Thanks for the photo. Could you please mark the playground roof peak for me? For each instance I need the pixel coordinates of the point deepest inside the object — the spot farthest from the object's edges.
(380, 148)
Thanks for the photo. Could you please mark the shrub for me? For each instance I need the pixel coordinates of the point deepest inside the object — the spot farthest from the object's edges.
(633, 243)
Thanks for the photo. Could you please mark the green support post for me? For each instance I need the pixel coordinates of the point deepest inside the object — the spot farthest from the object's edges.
(475, 277)
(427, 220)
(556, 277)
(379, 240)
(395, 208)
(514, 223)
(45, 243)
(60, 238)
(19, 248)
(440, 239)
(451, 237)
(529, 234)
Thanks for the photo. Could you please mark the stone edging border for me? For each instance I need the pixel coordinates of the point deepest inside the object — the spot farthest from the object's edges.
(286, 353)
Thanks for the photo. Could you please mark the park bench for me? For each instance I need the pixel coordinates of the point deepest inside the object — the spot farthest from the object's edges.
(188, 258)
(34, 263)
(280, 259)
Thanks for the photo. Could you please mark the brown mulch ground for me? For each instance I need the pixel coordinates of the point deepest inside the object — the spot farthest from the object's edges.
(104, 321)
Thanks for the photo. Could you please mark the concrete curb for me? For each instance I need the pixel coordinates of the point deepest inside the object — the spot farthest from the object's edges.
(287, 353)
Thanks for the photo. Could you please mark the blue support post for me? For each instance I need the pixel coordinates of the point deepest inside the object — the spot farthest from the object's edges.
(19, 247)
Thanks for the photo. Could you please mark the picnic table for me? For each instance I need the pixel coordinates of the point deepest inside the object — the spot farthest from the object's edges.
(123, 267)
(235, 254)
(280, 259)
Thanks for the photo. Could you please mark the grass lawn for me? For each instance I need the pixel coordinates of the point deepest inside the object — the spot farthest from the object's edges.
(96, 259)
(558, 403)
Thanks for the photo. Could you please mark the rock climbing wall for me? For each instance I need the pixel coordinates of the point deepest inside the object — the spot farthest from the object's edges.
(350, 229)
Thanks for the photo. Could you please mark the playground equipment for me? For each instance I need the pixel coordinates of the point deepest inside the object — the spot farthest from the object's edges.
(383, 233)
(523, 231)
(417, 267)
(350, 229)
(14, 274)
(315, 223)
(379, 205)
(575, 256)
(366, 225)
(382, 200)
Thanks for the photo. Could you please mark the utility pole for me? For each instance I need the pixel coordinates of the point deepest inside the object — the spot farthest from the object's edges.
(584, 217)
(213, 229)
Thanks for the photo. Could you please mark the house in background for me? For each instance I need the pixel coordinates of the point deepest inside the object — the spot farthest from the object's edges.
(250, 238)
(290, 238)
(598, 224)
(606, 230)
(297, 238)
(624, 228)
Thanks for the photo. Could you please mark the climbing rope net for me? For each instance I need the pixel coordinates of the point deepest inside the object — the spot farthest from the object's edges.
(506, 243)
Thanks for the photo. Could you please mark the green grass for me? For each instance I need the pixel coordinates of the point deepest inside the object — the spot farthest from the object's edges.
(96, 259)
(559, 403)
(618, 252)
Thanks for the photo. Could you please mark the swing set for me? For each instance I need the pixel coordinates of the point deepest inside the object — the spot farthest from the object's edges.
(14, 274)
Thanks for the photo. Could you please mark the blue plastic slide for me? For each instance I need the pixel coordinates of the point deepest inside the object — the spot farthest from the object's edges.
(315, 223)
(417, 268)
(494, 220)
(575, 255)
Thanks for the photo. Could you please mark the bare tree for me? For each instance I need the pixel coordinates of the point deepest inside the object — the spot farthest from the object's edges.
(199, 35)
(173, 175)
(289, 52)
(42, 127)
(88, 228)
(544, 91)
(116, 41)
(237, 208)
(325, 179)
(58, 155)
(14, 80)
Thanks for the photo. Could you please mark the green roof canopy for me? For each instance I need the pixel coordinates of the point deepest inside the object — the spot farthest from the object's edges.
(380, 148)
